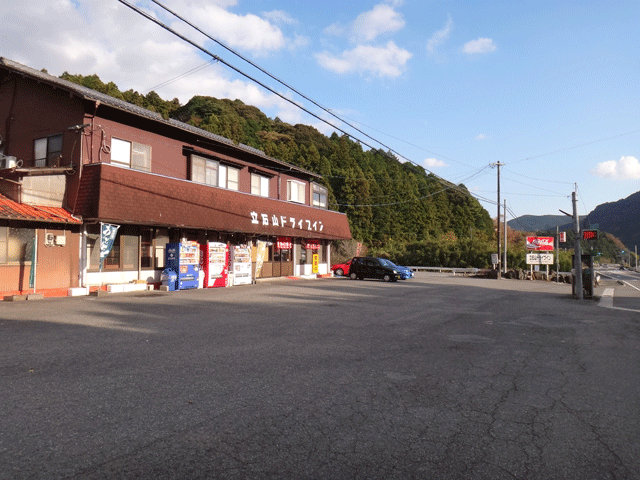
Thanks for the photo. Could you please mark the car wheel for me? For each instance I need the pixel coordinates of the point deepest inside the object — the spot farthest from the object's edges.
(386, 278)
(353, 276)
(339, 272)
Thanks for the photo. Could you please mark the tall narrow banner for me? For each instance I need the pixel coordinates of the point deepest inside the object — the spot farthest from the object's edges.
(108, 234)
(261, 255)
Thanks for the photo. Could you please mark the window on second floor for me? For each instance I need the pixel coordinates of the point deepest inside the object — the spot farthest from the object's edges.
(259, 185)
(320, 194)
(295, 191)
(47, 151)
(204, 170)
(131, 154)
(229, 177)
(212, 172)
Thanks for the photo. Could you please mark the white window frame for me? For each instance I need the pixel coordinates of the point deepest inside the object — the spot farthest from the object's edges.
(259, 185)
(233, 178)
(322, 193)
(296, 191)
(136, 156)
(205, 170)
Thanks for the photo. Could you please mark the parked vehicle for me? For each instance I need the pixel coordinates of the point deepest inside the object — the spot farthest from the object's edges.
(372, 267)
(341, 269)
(404, 272)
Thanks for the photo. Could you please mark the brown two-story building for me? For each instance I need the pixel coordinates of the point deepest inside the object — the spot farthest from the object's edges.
(93, 159)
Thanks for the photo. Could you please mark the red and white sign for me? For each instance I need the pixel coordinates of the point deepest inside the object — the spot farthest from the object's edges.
(312, 244)
(540, 243)
(284, 243)
(563, 237)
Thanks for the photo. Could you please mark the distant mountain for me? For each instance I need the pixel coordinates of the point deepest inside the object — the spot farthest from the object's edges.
(621, 219)
(536, 223)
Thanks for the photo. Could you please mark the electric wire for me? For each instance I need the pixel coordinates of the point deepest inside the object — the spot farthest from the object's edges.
(237, 70)
(281, 82)
(576, 146)
(183, 75)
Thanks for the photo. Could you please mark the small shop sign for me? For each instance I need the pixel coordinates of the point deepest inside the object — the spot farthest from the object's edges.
(312, 245)
(284, 243)
(539, 258)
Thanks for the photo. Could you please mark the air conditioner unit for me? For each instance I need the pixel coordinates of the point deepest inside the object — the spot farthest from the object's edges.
(7, 162)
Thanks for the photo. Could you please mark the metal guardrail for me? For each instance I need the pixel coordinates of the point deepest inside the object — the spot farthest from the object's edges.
(461, 271)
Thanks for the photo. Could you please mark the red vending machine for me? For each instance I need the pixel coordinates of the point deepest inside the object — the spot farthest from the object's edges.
(215, 264)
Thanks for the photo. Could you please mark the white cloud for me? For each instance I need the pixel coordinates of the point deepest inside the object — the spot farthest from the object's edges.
(249, 32)
(369, 25)
(280, 17)
(481, 45)
(439, 37)
(334, 29)
(482, 136)
(434, 163)
(119, 45)
(386, 61)
(627, 168)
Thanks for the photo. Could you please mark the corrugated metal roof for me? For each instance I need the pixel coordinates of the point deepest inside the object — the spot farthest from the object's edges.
(11, 210)
(89, 94)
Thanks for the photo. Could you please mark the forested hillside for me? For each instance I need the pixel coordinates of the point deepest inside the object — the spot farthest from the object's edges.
(395, 209)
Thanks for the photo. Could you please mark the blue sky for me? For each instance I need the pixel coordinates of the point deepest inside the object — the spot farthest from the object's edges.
(550, 89)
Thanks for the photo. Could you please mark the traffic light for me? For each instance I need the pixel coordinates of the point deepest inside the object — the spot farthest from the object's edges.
(590, 234)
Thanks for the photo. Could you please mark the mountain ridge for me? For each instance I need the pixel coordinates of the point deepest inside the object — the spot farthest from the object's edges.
(620, 218)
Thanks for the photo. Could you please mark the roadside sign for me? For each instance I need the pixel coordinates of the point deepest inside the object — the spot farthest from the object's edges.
(563, 237)
(539, 258)
(494, 258)
(540, 243)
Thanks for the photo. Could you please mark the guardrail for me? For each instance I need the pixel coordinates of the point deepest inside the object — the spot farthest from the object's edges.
(461, 271)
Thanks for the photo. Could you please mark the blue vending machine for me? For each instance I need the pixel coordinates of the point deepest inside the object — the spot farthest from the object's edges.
(184, 259)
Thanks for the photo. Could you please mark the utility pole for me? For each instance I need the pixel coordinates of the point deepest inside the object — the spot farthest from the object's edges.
(498, 164)
(504, 212)
(577, 248)
(557, 253)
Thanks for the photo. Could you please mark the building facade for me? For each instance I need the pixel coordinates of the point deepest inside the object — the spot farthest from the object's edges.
(101, 160)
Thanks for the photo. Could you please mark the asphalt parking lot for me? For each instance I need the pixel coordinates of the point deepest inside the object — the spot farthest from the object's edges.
(434, 377)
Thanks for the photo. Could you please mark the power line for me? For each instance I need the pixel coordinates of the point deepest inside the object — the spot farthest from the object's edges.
(576, 146)
(274, 78)
(218, 59)
(185, 74)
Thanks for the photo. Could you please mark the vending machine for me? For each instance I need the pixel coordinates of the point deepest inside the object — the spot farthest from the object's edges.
(215, 264)
(242, 265)
(184, 259)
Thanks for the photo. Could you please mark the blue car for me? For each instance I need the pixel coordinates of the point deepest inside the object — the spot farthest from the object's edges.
(403, 272)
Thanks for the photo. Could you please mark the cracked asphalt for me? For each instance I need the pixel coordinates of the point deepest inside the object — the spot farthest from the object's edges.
(436, 377)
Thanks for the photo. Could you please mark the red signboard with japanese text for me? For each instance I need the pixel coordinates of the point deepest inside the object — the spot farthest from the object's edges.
(284, 243)
(312, 244)
(540, 243)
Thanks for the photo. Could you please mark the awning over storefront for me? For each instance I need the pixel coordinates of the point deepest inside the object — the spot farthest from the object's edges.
(10, 210)
(120, 195)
